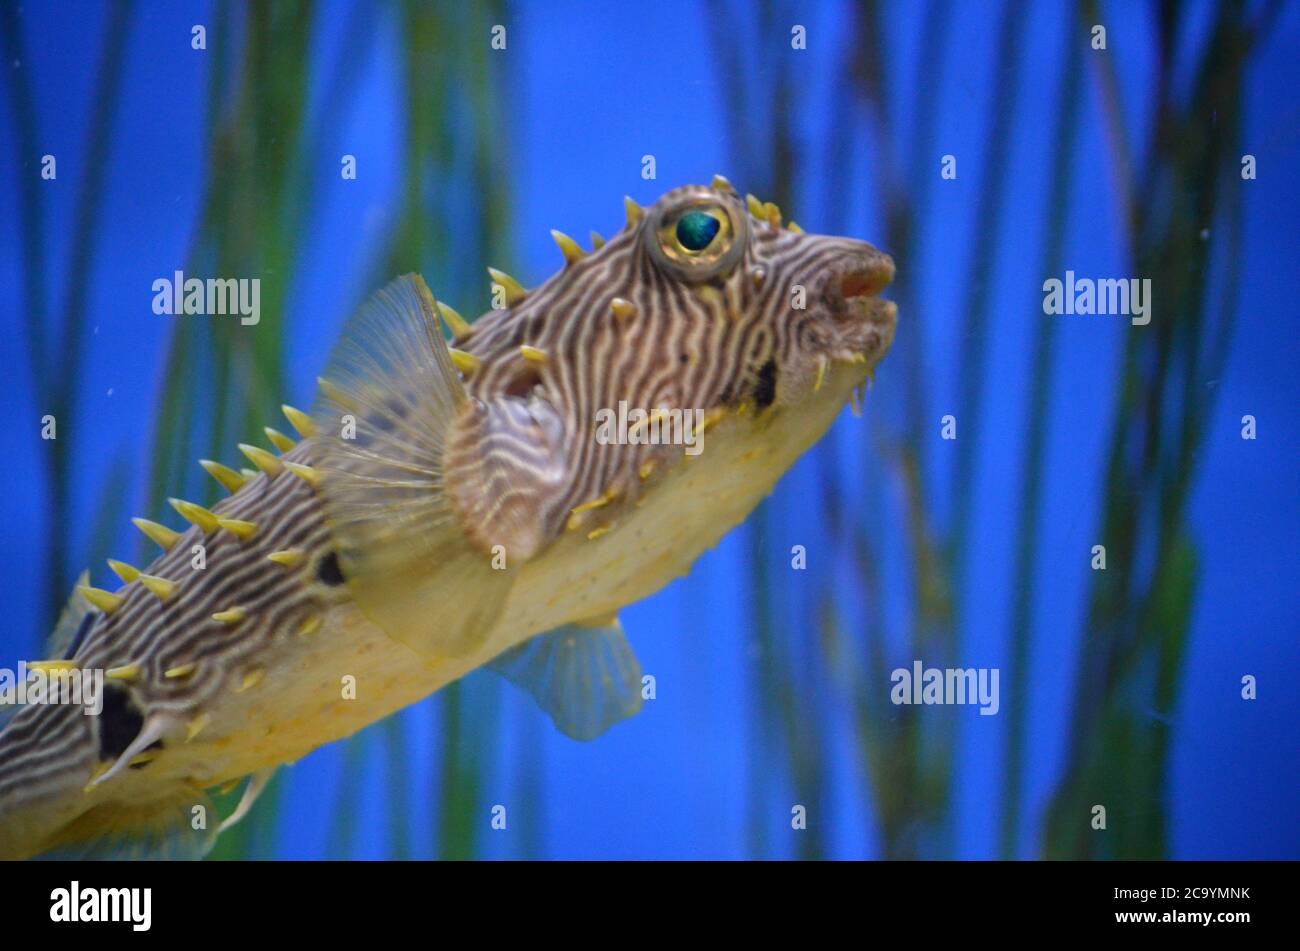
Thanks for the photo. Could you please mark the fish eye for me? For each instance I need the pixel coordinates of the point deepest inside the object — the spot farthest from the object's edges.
(698, 239)
(696, 230)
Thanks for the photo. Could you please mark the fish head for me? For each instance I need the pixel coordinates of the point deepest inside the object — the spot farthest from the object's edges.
(703, 300)
(704, 314)
(785, 311)
(756, 333)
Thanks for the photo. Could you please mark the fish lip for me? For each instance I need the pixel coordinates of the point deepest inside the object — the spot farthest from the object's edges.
(861, 277)
(867, 320)
(874, 322)
(861, 322)
(866, 281)
(873, 314)
(873, 309)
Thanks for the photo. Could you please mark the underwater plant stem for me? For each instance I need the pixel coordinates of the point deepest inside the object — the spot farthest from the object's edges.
(986, 227)
(64, 372)
(1018, 669)
(1137, 621)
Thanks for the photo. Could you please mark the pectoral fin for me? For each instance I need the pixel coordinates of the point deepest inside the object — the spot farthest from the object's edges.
(389, 401)
(586, 678)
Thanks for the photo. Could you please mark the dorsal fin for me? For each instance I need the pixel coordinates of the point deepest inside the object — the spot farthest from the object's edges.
(387, 402)
(60, 643)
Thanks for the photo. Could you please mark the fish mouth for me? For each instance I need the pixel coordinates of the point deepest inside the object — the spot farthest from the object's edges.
(852, 293)
(868, 280)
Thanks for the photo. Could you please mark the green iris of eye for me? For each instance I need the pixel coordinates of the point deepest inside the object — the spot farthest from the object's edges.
(696, 230)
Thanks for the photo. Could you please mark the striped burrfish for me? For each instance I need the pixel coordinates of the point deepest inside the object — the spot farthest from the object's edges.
(463, 495)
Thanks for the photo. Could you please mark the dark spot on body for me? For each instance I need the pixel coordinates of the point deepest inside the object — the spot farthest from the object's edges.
(765, 388)
(328, 571)
(119, 723)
